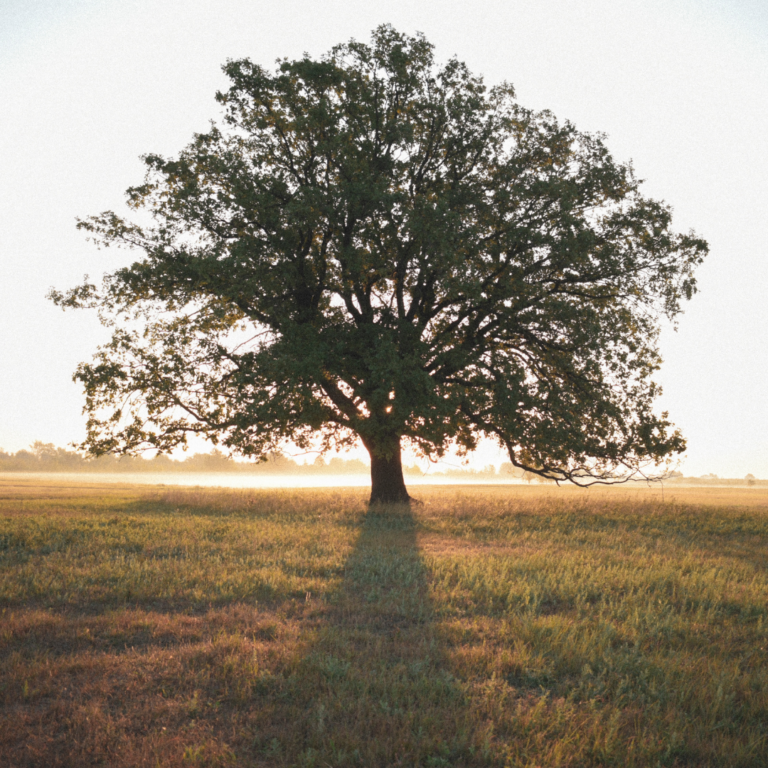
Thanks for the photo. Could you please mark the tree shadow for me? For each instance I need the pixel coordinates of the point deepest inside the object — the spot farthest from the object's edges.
(354, 676)
(372, 687)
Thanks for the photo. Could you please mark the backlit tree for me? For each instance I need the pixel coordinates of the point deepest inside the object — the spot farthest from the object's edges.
(371, 246)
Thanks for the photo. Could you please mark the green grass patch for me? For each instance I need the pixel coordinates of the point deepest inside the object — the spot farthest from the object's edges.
(506, 626)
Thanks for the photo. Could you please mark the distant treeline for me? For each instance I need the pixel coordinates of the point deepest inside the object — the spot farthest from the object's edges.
(46, 457)
(715, 481)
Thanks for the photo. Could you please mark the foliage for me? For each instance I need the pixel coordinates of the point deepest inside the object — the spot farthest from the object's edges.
(547, 627)
(371, 246)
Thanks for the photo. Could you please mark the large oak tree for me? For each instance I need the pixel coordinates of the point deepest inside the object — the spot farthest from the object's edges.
(373, 246)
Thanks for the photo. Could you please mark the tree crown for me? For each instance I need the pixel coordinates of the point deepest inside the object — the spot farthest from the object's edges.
(371, 245)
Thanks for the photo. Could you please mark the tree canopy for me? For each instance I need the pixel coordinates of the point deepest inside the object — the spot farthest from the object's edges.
(374, 246)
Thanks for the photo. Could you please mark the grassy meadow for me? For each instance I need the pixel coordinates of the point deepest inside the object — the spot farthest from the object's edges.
(497, 626)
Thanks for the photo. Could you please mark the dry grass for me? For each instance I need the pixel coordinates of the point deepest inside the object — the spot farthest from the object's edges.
(489, 627)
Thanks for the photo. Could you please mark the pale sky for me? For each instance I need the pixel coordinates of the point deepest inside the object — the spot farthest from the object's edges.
(679, 86)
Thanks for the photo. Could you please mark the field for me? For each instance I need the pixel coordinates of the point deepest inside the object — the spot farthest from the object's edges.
(511, 626)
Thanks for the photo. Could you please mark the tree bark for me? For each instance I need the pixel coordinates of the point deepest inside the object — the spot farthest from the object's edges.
(387, 481)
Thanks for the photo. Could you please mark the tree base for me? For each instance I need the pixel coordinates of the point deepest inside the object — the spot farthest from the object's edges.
(387, 481)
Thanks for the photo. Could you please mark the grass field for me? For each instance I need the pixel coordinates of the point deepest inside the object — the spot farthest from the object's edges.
(487, 627)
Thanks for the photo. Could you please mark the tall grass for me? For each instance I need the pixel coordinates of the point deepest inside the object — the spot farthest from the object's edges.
(487, 627)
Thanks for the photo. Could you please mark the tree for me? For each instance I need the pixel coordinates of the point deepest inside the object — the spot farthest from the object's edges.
(373, 246)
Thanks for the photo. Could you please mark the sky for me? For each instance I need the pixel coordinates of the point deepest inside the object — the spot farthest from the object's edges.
(680, 87)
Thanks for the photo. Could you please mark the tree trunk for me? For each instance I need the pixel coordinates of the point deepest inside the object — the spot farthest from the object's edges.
(387, 482)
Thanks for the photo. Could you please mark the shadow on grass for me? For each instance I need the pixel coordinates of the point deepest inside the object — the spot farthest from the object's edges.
(353, 677)
(371, 686)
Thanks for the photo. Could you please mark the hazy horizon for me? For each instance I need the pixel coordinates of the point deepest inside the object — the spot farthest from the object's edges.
(328, 470)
